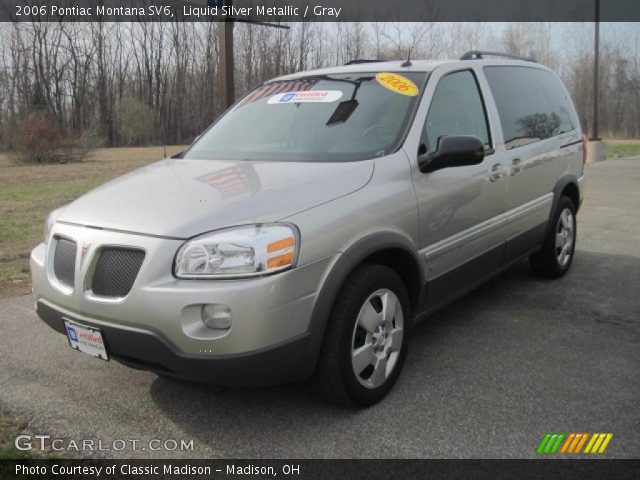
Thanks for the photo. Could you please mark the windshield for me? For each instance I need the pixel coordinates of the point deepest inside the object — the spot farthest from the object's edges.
(330, 118)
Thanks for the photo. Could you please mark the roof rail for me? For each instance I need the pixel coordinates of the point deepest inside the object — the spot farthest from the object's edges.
(362, 60)
(479, 54)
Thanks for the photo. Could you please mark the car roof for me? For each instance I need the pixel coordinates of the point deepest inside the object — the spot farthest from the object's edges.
(397, 66)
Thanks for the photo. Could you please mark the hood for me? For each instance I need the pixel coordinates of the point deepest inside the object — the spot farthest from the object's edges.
(182, 198)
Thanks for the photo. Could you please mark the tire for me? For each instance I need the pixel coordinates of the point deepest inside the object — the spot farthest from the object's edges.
(360, 337)
(554, 259)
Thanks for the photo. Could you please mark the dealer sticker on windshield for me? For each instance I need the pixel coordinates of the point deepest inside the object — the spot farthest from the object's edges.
(397, 83)
(307, 96)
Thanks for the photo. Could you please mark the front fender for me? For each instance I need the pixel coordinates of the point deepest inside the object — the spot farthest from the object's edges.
(345, 264)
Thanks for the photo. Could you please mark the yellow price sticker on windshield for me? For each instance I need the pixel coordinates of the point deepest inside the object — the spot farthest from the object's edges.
(397, 83)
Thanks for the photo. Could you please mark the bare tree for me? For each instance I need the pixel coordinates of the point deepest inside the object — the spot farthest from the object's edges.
(142, 82)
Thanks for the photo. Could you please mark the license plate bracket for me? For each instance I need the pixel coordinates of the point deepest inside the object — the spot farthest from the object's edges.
(86, 339)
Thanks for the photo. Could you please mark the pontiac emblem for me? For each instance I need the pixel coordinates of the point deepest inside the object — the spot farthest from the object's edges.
(83, 252)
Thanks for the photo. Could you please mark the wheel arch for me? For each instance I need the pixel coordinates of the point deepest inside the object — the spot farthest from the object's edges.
(391, 249)
(567, 185)
(570, 189)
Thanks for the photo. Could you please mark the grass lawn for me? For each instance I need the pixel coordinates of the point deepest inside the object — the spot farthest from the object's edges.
(622, 148)
(9, 430)
(29, 192)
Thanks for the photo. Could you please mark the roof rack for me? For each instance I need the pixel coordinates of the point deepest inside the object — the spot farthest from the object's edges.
(362, 60)
(479, 54)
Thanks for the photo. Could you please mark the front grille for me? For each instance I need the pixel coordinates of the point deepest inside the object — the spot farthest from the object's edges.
(64, 262)
(115, 272)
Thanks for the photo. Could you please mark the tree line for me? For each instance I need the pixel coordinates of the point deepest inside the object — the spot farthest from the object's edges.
(151, 83)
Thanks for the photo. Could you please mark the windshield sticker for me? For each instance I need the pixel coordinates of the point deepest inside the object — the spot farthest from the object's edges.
(272, 88)
(309, 96)
(397, 83)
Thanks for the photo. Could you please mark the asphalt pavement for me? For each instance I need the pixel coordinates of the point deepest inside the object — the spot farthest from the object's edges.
(486, 377)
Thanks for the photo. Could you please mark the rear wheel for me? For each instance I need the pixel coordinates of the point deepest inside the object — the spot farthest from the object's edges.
(366, 339)
(555, 257)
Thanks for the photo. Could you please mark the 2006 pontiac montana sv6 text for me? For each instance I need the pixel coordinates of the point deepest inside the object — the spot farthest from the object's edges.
(302, 233)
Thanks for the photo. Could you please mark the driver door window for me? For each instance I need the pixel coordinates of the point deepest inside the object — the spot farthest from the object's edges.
(455, 200)
(456, 109)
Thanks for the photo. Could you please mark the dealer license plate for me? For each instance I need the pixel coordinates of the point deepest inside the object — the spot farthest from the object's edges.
(86, 339)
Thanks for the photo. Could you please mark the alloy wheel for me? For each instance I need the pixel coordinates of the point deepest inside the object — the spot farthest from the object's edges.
(377, 338)
(565, 231)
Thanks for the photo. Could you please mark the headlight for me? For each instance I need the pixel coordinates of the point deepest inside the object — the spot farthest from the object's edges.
(245, 251)
(51, 219)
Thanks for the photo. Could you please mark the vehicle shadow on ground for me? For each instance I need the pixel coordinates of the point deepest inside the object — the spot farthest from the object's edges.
(507, 315)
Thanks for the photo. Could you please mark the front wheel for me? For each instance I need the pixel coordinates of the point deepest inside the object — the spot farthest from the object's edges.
(366, 339)
(555, 257)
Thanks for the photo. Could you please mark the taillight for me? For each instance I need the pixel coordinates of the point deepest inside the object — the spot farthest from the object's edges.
(585, 143)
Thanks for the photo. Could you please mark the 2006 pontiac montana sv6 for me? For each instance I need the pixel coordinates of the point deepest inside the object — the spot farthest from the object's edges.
(300, 236)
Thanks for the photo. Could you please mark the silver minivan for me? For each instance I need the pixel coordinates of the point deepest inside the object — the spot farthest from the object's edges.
(303, 233)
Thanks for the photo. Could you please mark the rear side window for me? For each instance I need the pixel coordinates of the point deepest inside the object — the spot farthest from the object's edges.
(532, 104)
(456, 109)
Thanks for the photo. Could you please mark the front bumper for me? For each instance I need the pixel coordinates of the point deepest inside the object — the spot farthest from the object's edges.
(157, 325)
(146, 350)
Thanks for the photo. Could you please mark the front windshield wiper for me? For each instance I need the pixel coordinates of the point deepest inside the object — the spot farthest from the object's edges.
(332, 79)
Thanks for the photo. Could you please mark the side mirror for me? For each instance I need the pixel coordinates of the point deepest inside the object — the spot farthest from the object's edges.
(453, 151)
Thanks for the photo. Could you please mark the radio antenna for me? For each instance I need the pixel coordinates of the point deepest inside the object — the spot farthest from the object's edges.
(407, 62)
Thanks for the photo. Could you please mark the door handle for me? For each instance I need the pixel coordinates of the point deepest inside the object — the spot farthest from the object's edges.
(496, 172)
(516, 166)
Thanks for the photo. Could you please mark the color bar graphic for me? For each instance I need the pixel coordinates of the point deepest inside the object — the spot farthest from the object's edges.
(550, 443)
(598, 443)
(573, 442)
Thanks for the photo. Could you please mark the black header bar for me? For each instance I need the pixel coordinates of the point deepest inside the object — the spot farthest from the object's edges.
(276, 11)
